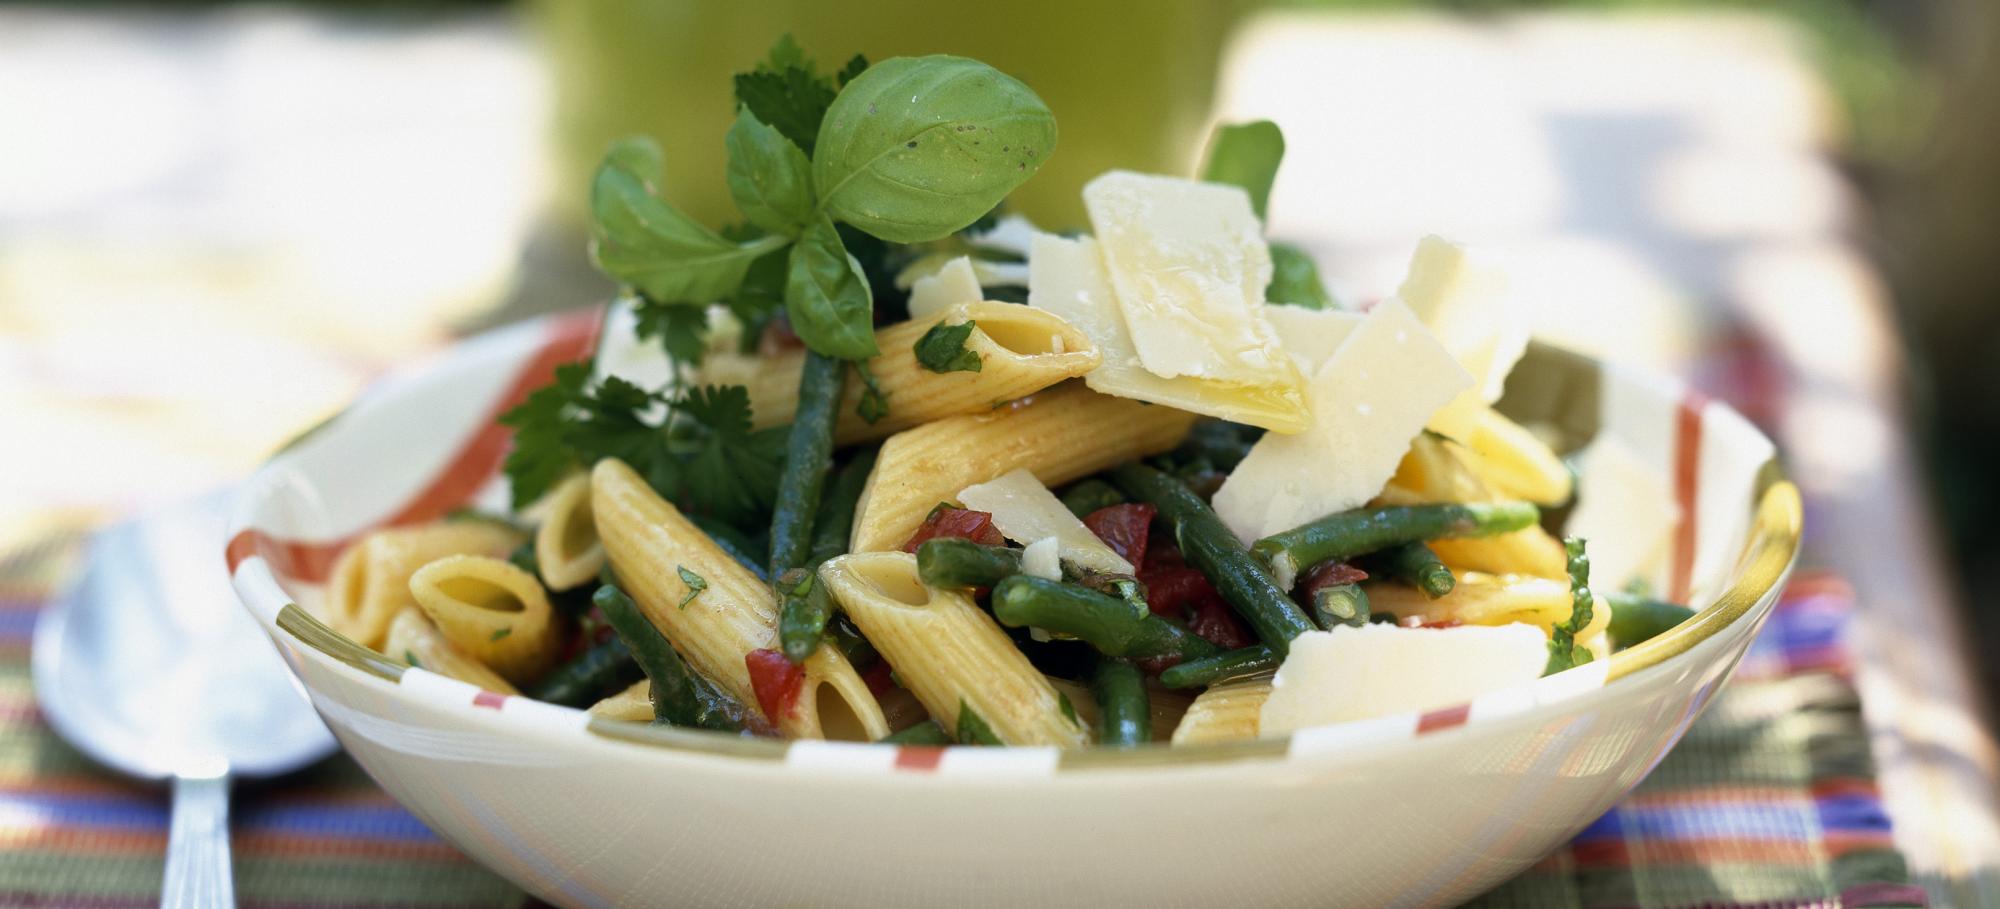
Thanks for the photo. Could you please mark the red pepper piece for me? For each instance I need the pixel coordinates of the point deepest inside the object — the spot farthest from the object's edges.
(1125, 528)
(776, 681)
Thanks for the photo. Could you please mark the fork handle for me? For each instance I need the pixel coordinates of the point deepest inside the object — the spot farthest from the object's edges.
(198, 875)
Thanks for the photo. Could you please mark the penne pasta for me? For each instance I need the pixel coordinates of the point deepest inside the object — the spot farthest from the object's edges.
(650, 544)
(494, 611)
(1164, 707)
(1021, 351)
(371, 580)
(634, 704)
(1437, 469)
(949, 652)
(414, 640)
(567, 550)
(1485, 599)
(1516, 463)
(1060, 435)
(1231, 712)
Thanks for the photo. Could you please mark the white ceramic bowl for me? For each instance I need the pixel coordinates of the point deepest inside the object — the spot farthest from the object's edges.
(1399, 811)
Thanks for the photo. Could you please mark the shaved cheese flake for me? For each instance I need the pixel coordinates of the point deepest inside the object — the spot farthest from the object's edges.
(1464, 299)
(1625, 511)
(1190, 266)
(1311, 335)
(949, 286)
(1369, 400)
(1377, 670)
(1042, 559)
(1067, 277)
(1027, 512)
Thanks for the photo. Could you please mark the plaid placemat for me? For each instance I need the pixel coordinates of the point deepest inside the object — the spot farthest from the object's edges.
(1770, 801)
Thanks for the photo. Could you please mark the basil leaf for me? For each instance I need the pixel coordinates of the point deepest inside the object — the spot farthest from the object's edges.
(917, 147)
(942, 349)
(1295, 279)
(769, 177)
(644, 242)
(827, 297)
(1246, 155)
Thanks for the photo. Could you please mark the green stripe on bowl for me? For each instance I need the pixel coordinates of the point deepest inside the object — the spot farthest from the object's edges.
(315, 634)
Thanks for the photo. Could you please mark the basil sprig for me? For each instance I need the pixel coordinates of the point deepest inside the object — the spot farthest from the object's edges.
(907, 151)
(1247, 155)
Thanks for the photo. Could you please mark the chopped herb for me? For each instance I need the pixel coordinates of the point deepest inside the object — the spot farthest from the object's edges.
(972, 730)
(874, 401)
(502, 633)
(411, 659)
(1564, 651)
(1068, 709)
(942, 349)
(695, 584)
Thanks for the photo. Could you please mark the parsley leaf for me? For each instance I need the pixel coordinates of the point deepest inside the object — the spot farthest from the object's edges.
(972, 730)
(855, 66)
(732, 472)
(942, 349)
(874, 403)
(567, 424)
(792, 100)
(785, 54)
(1564, 651)
(695, 584)
(681, 327)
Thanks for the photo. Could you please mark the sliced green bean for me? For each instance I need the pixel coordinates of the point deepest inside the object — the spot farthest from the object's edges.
(803, 610)
(1341, 604)
(952, 562)
(1365, 530)
(1415, 564)
(590, 676)
(808, 458)
(681, 696)
(1222, 667)
(1088, 495)
(834, 524)
(1123, 715)
(1111, 625)
(1213, 550)
(1636, 619)
(927, 732)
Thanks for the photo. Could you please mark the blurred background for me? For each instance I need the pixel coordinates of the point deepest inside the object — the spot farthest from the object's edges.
(218, 221)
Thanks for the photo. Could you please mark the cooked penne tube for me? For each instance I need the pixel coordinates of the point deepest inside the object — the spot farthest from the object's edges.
(1486, 599)
(1230, 712)
(414, 640)
(566, 546)
(634, 704)
(653, 548)
(1165, 707)
(1439, 470)
(371, 579)
(494, 611)
(1059, 435)
(1516, 463)
(949, 652)
(1021, 351)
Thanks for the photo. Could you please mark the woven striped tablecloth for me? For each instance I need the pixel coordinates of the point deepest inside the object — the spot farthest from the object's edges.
(1769, 801)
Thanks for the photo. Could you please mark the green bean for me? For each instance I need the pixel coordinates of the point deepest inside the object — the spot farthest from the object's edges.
(589, 676)
(1636, 619)
(1213, 550)
(1365, 530)
(951, 562)
(834, 523)
(1123, 714)
(1088, 495)
(1415, 564)
(735, 543)
(808, 458)
(1222, 667)
(1223, 444)
(803, 610)
(1108, 624)
(927, 732)
(681, 697)
(1341, 604)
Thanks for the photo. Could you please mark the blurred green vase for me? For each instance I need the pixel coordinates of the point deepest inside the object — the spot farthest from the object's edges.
(1130, 83)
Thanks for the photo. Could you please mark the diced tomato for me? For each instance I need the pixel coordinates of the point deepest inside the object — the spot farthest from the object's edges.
(1173, 590)
(776, 680)
(1329, 574)
(1214, 620)
(1124, 528)
(960, 523)
(879, 678)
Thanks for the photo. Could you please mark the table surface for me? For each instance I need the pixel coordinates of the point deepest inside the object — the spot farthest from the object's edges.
(226, 215)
